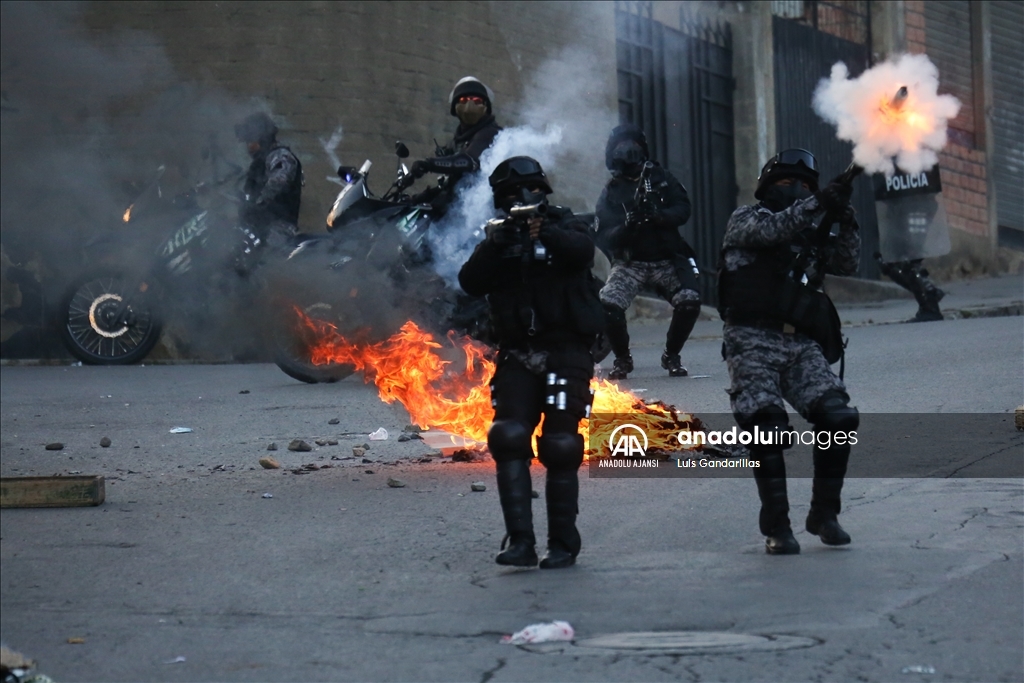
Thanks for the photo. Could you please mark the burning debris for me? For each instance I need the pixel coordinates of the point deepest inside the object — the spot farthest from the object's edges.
(408, 368)
(891, 110)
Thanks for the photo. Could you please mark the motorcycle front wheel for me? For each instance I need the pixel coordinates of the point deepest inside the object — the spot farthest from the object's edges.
(292, 350)
(104, 320)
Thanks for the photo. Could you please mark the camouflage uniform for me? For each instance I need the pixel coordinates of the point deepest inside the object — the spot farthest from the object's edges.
(767, 366)
(647, 250)
(627, 279)
(769, 362)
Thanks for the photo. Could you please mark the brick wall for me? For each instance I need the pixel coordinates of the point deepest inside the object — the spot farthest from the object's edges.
(962, 164)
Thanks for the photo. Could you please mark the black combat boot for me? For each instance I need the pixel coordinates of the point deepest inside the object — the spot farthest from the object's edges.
(829, 470)
(516, 494)
(927, 302)
(684, 317)
(622, 367)
(562, 492)
(618, 337)
(774, 517)
(673, 364)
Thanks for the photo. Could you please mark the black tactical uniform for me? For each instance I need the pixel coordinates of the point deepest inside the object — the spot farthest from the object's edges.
(470, 101)
(639, 213)
(782, 333)
(546, 315)
(273, 183)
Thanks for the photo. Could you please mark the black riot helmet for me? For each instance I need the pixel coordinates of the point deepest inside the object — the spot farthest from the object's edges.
(515, 175)
(790, 163)
(626, 148)
(258, 127)
(470, 85)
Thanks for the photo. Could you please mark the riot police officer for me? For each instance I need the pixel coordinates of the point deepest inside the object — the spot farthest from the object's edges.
(639, 213)
(273, 183)
(782, 333)
(471, 102)
(534, 267)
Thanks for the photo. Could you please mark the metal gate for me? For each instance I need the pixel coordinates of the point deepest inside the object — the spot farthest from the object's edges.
(677, 85)
(803, 56)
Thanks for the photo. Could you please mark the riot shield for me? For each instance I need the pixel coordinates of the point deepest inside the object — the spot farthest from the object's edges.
(912, 221)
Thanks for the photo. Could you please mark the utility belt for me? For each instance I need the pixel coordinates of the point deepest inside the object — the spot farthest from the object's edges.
(772, 324)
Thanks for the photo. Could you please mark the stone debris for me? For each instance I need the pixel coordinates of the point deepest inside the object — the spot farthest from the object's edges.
(55, 446)
(321, 442)
(244, 391)
(332, 442)
(367, 461)
(105, 442)
(368, 471)
(478, 486)
(334, 421)
(535, 494)
(76, 641)
(396, 483)
(409, 437)
(412, 429)
(358, 451)
(272, 447)
(299, 445)
(268, 463)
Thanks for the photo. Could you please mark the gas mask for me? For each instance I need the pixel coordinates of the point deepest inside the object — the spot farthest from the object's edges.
(628, 158)
(470, 113)
(522, 195)
(781, 197)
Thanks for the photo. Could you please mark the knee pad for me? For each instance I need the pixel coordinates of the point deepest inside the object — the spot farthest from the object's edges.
(772, 424)
(509, 440)
(616, 316)
(559, 452)
(686, 306)
(831, 413)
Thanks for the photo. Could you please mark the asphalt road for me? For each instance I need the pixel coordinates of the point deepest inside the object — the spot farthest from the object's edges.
(340, 577)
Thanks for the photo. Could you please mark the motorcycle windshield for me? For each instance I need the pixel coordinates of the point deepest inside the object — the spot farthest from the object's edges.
(349, 195)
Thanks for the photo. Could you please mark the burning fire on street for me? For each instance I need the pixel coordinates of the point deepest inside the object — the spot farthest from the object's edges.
(410, 367)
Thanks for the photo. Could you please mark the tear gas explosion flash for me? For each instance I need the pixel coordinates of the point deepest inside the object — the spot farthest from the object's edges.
(891, 110)
(409, 368)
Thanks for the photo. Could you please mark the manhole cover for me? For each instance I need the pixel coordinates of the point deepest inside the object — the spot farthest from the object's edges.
(673, 643)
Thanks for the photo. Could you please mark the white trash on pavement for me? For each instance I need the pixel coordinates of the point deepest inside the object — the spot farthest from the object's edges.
(541, 633)
(180, 430)
(379, 435)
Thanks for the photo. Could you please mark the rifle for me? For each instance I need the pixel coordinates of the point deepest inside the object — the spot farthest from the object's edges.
(644, 198)
(807, 265)
(515, 226)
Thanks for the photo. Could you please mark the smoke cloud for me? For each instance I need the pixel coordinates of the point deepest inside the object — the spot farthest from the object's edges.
(865, 113)
(565, 117)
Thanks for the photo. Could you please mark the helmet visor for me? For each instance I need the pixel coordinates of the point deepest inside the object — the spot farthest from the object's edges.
(792, 157)
(513, 169)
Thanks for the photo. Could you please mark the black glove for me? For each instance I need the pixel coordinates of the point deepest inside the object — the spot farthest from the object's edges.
(502, 233)
(635, 220)
(835, 197)
(419, 168)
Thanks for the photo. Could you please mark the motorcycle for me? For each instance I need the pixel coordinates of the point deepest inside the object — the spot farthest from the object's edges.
(113, 312)
(380, 235)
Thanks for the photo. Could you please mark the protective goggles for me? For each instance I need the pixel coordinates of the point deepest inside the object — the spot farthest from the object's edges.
(515, 167)
(475, 99)
(792, 157)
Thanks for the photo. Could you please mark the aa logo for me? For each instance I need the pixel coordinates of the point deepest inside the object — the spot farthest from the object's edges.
(625, 441)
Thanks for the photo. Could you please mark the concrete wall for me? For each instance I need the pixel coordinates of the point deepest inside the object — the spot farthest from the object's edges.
(381, 71)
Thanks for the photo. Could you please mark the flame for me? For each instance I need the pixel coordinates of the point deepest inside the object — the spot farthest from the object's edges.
(127, 214)
(455, 397)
